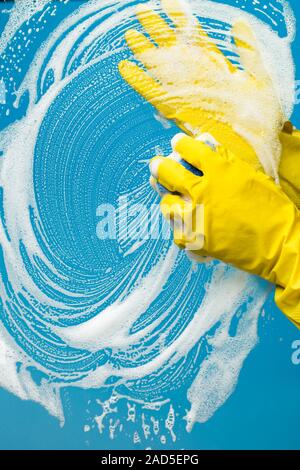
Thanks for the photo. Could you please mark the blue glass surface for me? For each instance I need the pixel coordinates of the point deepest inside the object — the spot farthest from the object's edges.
(263, 411)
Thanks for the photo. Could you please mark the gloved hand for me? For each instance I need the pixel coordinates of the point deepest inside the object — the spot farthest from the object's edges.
(190, 80)
(289, 167)
(247, 220)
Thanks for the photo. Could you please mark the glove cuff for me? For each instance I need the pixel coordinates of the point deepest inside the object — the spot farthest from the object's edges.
(287, 272)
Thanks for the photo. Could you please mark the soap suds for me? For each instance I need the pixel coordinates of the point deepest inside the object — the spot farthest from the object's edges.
(87, 313)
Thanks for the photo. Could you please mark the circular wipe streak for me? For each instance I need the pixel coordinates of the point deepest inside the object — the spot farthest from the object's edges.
(93, 292)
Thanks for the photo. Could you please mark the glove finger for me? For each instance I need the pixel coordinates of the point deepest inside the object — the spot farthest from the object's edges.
(248, 51)
(187, 222)
(173, 176)
(172, 205)
(157, 187)
(197, 153)
(149, 88)
(177, 12)
(207, 44)
(183, 18)
(156, 26)
(140, 45)
(173, 210)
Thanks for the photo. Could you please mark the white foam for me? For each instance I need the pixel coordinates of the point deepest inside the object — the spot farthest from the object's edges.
(192, 79)
(227, 290)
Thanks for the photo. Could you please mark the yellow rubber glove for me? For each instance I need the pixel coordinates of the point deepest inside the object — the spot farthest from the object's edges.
(189, 80)
(189, 114)
(289, 167)
(247, 221)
